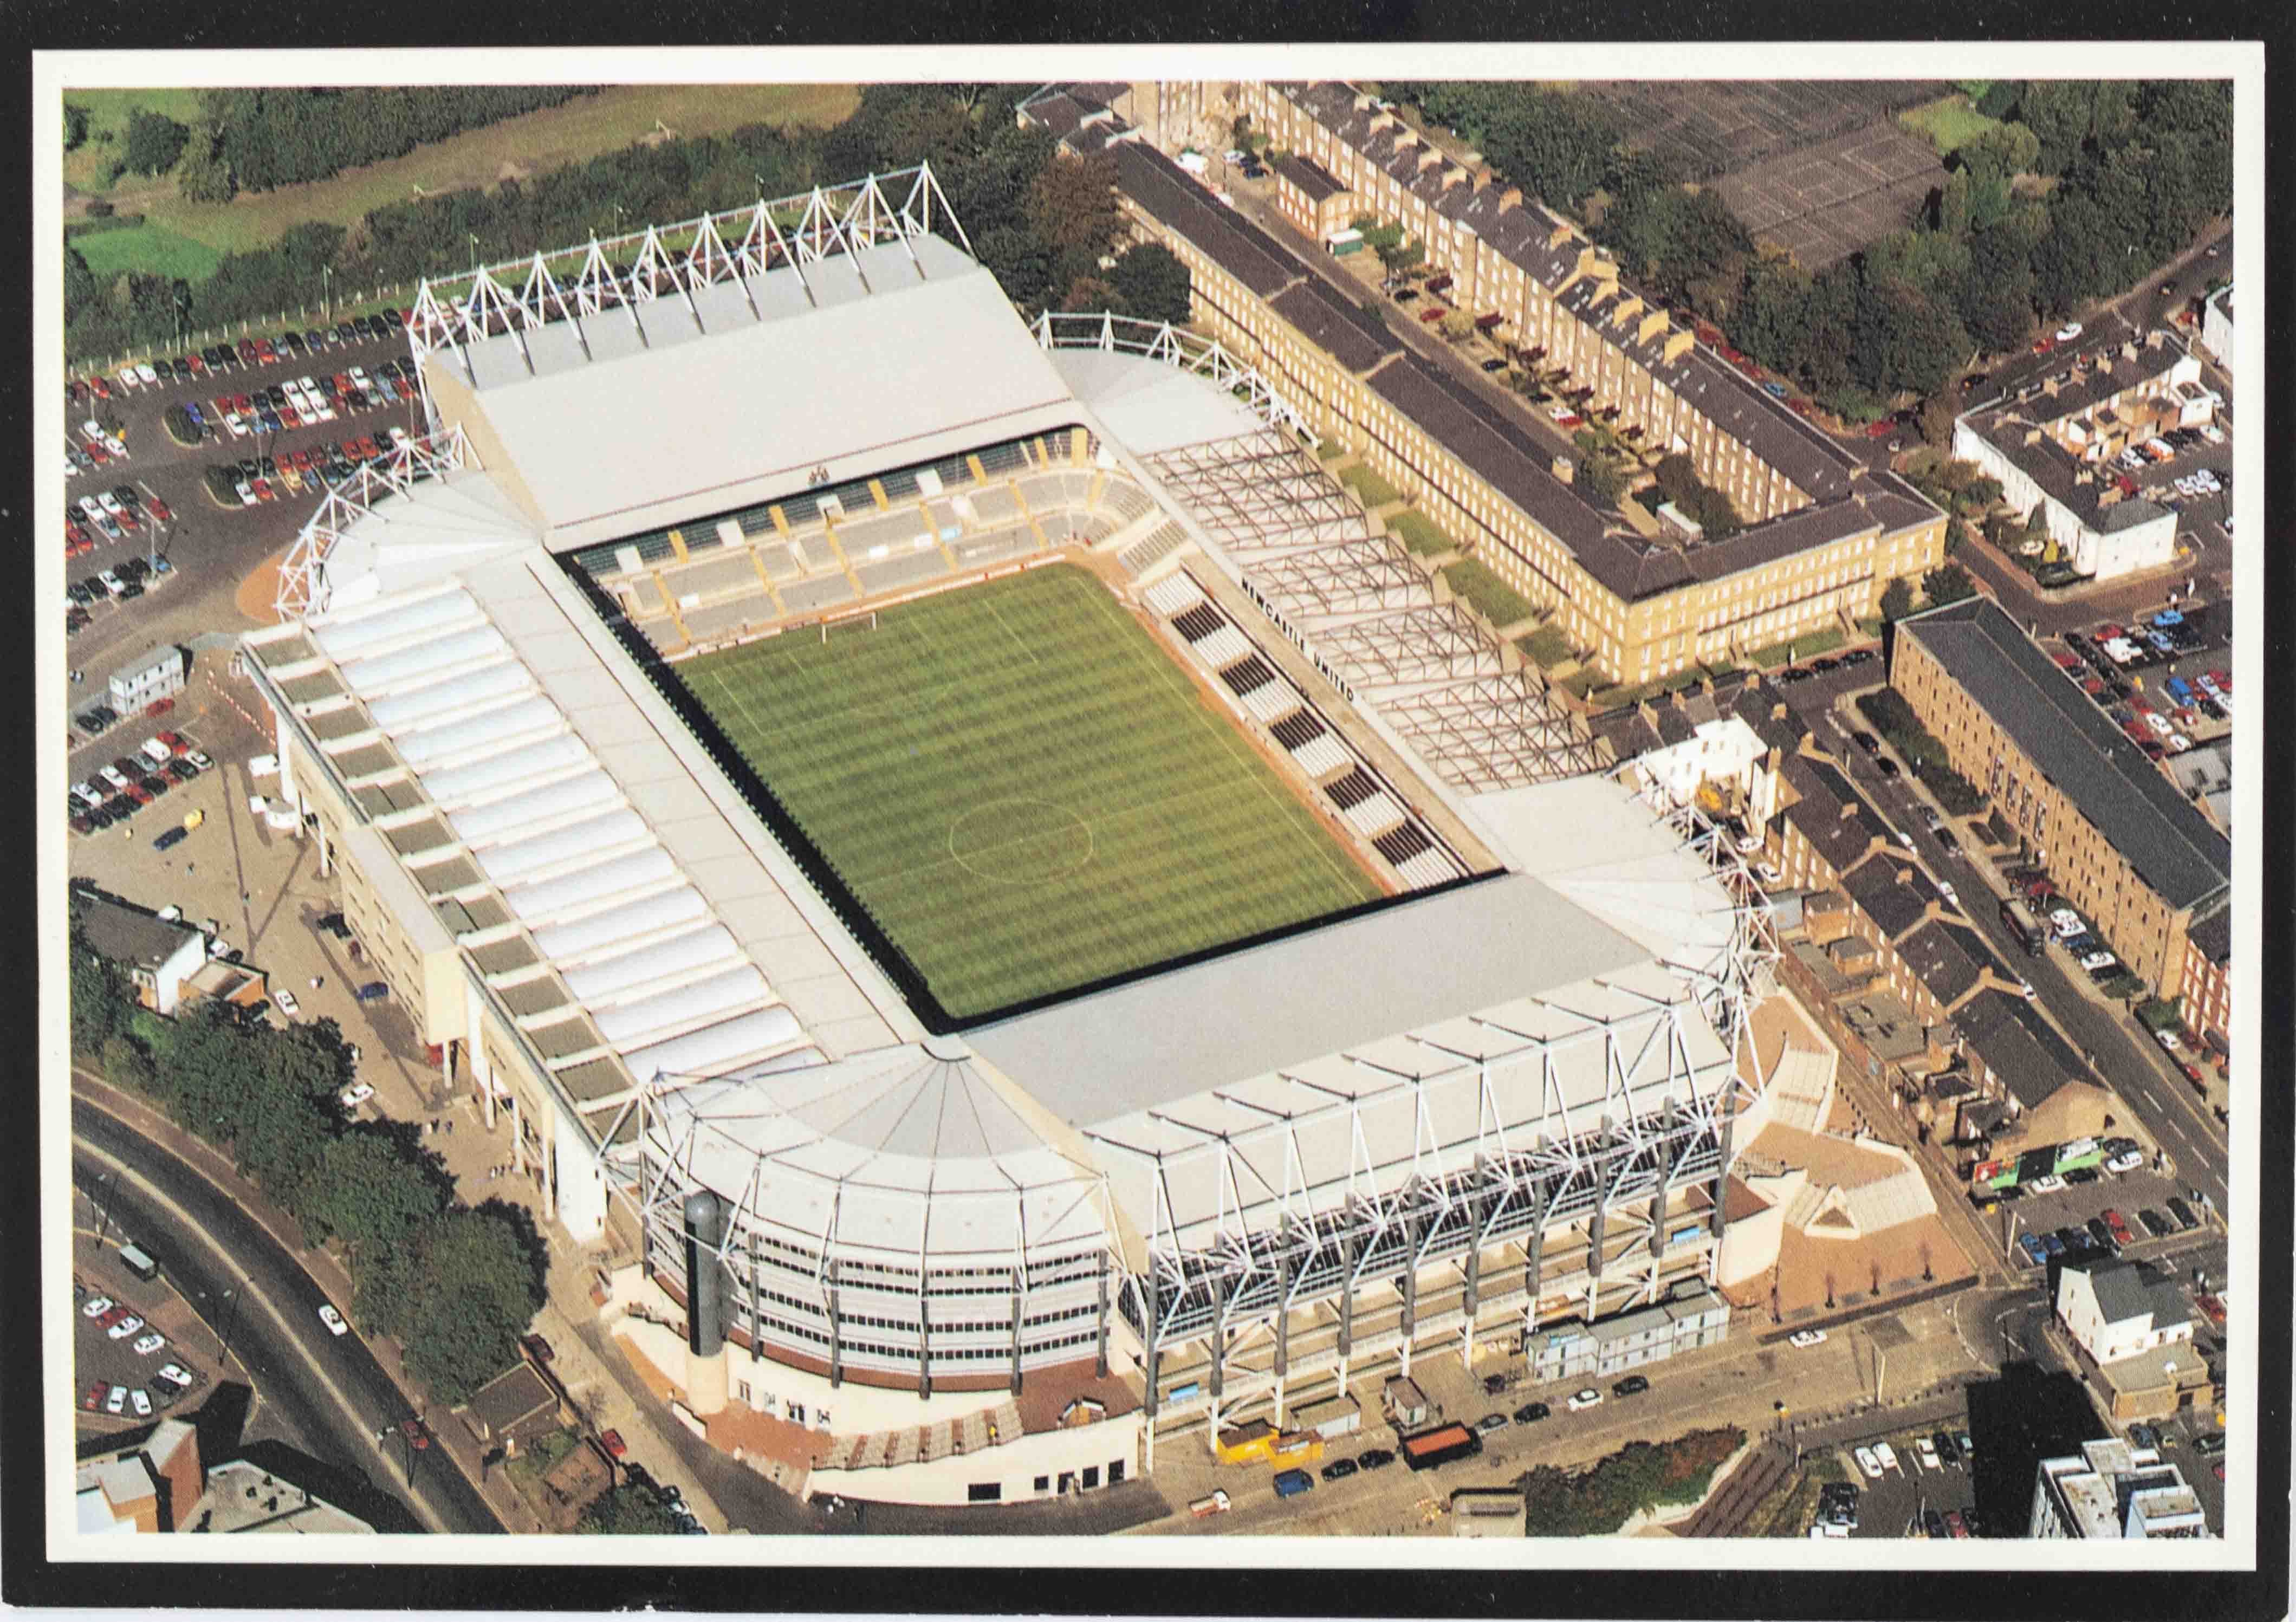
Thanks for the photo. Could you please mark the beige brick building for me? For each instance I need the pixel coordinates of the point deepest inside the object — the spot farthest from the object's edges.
(1825, 535)
(2122, 844)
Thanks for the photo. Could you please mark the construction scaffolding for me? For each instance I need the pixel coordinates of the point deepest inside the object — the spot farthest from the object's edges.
(1480, 719)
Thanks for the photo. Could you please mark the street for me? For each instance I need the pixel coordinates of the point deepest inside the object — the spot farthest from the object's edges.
(2134, 1067)
(331, 1387)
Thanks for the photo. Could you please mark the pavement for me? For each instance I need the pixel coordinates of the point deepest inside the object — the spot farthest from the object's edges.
(1748, 1380)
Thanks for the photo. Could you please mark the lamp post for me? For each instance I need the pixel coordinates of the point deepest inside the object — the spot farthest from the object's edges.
(327, 282)
(103, 1215)
(474, 251)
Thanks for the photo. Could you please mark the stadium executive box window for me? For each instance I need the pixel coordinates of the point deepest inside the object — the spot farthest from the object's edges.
(984, 1492)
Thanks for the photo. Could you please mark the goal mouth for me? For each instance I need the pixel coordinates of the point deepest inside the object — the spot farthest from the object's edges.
(1010, 793)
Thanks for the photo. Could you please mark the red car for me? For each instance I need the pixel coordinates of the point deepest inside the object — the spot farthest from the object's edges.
(2121, 1236)
(141, 795)
(2042, 346)
(159, 707)
(160, 510)
(199, 366)
(2212, 1307)
(92, 1399)
(263, 490)
(102, 387)
(174, 741)
(412, 1429)
(1433, 312)
(611, 1441)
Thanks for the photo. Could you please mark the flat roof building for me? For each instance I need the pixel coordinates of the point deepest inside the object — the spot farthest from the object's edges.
(2113, 1489)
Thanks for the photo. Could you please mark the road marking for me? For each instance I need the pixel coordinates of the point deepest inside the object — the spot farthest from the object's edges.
(127, 1173)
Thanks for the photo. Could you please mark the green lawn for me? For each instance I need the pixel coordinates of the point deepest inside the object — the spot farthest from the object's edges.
(529, 145)
(1809, 644)
(147, 247)
(1493, 598)
(1370, 489)
(1417, 531)
(1024, 789)
(1948, 123)
(88, 165)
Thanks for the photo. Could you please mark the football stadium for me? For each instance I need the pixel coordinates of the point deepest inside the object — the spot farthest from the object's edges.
(1012, 924)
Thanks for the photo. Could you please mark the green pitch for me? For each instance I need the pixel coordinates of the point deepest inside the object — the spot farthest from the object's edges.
(1024, 790)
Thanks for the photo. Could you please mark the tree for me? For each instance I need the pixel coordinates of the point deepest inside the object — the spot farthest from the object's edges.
(203, 174)
(75, 127)
(126, 1065)
(1599, 481)
(1937, 418)
(1896, 600)
(154, 142)
(1073, 204)
(1677, 476)
(98, 992)
(2058, 112)
(1717, 515)
(1947, 583)
(625, 1510)
(370, 1194)
(1154, 283)
(460, 1294)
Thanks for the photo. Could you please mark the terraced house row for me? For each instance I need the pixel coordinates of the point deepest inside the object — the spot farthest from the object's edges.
(1825, 534)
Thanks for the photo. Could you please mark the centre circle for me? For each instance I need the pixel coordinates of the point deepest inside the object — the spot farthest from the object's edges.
(1021, 841)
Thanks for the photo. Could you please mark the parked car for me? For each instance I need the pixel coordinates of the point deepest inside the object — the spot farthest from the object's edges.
(1868, 1462)
(1580, 1401)
(1633, 1385)
(1490, 1422)
(333, 1320)
(1530, 1413)
(1804, 1339)
(1375, 1458)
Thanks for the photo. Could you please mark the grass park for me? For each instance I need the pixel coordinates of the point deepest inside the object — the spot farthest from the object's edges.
(1023, 789)
(1948, 123)
(520, 147)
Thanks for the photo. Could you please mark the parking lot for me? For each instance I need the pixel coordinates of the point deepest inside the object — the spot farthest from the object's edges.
(209, 549)
(127, 1329)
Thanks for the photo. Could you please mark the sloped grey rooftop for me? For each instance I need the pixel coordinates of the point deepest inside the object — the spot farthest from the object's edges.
(2138, 810)
(1413, 963)
(669, 419)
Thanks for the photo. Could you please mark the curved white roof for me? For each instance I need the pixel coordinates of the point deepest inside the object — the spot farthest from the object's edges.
(475, 726)
(605, 934)
(460, 785)
(910, 1151)
(584, 841)
(433, 658)
(685, 953)
(443, 696)
(512, 818)
(364, 635)
(575, 893)
(718, 997)
(715, 1047)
